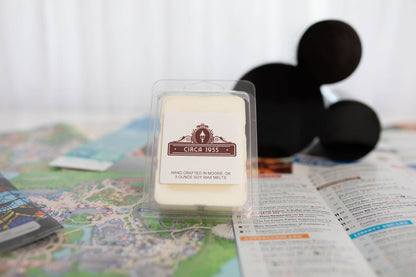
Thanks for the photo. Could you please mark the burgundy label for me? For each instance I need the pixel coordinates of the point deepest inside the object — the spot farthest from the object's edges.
(214, 149)
(202, 142)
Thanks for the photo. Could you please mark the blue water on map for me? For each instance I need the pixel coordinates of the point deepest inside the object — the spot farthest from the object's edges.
(10, 175)
(86, 233)
(62, 253)
(86, 237)
(230, 269)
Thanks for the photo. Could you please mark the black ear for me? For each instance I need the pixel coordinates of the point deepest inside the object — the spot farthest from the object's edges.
(330, 50)
(350, 131)
(289, 109)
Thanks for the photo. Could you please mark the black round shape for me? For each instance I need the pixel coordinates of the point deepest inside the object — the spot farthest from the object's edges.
(329, 50)
(289, 109)
(351, 130)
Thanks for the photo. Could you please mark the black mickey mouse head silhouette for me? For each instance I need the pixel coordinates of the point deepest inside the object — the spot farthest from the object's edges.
(290, 107)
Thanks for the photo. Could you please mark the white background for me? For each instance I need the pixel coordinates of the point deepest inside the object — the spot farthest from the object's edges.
(103, 56)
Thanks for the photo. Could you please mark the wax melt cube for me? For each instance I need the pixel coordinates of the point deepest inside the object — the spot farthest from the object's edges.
(202, 153)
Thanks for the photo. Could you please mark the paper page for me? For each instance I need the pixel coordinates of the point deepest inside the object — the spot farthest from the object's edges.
(293, 233)
(376, 205)
(401, 142)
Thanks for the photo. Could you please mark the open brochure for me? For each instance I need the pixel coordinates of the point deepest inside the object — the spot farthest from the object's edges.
(332, 220)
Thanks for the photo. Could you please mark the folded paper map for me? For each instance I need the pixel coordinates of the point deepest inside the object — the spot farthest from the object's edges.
(101, 154)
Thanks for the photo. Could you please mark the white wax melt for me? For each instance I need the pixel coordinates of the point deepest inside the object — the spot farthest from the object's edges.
(201, 153)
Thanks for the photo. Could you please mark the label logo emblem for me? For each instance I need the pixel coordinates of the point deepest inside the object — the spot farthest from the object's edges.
(202, 142)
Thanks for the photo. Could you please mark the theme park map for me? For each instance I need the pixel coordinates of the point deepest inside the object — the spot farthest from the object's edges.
(105, 232)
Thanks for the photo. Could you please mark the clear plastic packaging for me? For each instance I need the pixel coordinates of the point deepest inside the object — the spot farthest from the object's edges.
(202, 148)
